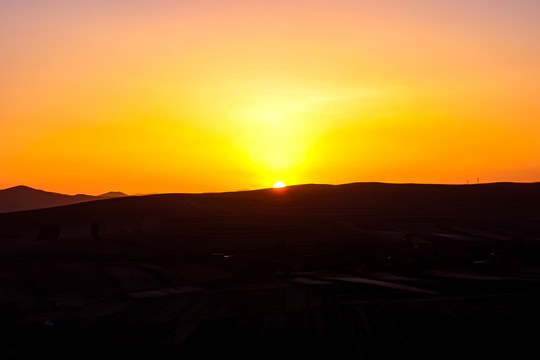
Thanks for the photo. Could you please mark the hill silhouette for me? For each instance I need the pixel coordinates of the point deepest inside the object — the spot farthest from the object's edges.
(364, 270)
(22, 197)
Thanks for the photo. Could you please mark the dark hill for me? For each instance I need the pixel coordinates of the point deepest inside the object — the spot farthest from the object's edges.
(20, 198)
(357, 202)
(364, 270)
(112, 194)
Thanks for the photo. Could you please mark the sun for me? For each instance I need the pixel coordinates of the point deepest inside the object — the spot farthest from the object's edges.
(279, 184)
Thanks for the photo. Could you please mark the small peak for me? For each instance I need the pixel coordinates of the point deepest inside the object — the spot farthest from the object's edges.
(22, 188)
(113, 194)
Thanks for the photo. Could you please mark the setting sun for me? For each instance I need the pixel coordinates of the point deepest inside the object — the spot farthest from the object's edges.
(279, 184)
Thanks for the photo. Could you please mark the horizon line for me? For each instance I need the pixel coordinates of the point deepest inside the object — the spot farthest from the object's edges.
(267, 188)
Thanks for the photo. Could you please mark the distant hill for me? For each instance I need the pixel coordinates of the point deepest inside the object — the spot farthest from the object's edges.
(112, 194)
(21, 198)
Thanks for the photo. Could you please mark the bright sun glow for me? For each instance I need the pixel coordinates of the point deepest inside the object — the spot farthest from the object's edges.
(275, 129)
(279, 184)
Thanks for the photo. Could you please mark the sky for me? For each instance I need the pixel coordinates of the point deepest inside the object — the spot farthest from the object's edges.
(201, 96)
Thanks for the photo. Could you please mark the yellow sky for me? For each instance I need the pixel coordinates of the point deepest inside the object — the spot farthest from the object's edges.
(168, 96)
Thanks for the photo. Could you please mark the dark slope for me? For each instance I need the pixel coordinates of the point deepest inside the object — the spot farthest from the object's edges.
(370, 216)
(21, 198)
(363, 270)
(359, 201)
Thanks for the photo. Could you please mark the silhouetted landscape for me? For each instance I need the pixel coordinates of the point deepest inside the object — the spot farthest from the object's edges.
(133, 135)
(363, 270)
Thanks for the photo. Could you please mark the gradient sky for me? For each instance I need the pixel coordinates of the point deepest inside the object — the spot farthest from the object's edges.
(195, 96)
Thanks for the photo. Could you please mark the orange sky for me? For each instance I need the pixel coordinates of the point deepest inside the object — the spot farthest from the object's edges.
(168, 96)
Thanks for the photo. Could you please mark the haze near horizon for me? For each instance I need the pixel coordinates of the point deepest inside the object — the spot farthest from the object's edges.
(165, 96)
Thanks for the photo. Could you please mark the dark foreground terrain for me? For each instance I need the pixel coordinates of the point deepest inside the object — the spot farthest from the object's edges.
(359, 271)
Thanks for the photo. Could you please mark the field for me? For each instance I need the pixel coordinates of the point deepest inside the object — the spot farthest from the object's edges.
(375, 271)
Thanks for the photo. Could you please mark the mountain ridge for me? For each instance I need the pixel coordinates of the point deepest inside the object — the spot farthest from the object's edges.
(22, 197)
